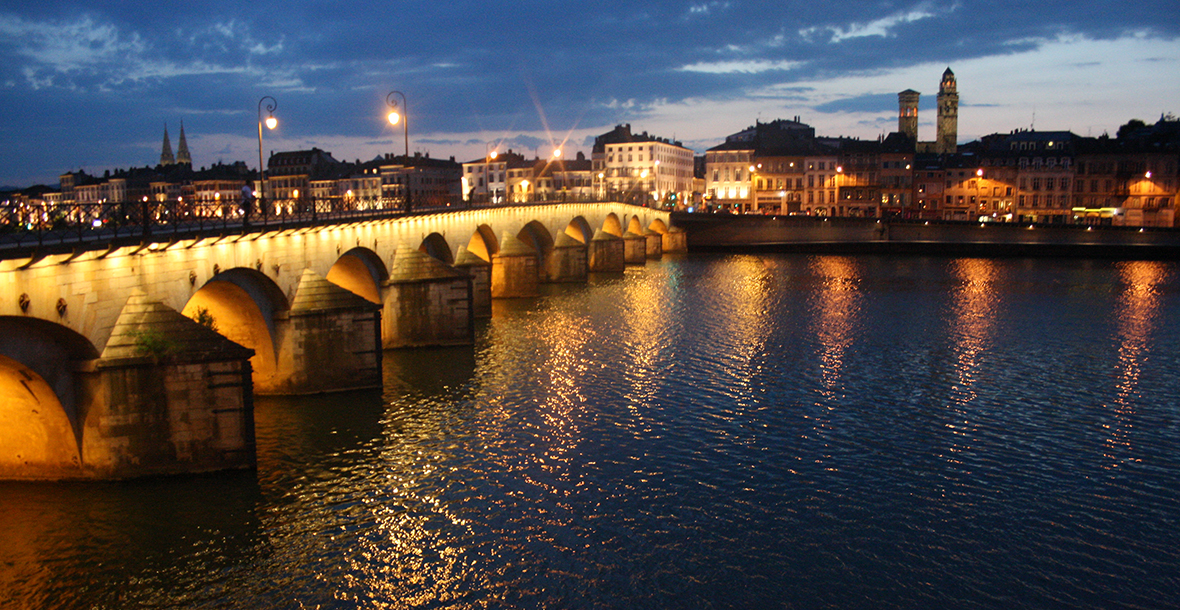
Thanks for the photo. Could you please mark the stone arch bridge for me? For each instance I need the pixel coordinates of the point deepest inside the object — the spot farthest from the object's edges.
(119, 361)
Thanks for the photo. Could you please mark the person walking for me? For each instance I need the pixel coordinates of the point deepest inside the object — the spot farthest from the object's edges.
(247, 204)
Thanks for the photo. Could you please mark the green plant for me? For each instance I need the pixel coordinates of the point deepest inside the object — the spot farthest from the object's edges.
(204, 318)
(153, 344)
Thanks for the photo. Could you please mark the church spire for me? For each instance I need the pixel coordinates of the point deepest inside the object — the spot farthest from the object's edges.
(182, 155)
(166, 157)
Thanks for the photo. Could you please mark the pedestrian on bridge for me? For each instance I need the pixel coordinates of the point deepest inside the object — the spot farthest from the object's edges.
(247, 204)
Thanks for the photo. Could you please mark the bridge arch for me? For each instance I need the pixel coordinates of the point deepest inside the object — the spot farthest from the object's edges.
(580, 230)
(361, 271)
(484, 243)
(612, 225)
(659, 226)
(40, 414)
(436, 245)
(244, 304)
(635, 226)
(536, 235)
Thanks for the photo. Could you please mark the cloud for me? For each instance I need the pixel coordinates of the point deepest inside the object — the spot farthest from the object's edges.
(882, 27)
(741, 66)
(704, 9)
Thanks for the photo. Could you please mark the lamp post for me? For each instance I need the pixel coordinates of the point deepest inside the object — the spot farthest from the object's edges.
(394, 117)
(839, 182)
(655, 181)
(753, 189)
(559, 173)
(488, 156)
(271, 123)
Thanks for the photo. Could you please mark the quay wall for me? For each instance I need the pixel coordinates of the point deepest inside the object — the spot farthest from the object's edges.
(735, 233)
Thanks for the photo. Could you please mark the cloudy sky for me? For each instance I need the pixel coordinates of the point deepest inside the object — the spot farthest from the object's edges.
(92, 85)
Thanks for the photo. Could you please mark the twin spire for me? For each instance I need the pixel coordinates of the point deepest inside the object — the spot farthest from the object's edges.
(182, 157)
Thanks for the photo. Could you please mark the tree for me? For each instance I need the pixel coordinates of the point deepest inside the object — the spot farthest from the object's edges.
(1131, 127)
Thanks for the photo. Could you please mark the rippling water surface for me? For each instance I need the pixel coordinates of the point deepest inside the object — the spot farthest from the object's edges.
(745, 431)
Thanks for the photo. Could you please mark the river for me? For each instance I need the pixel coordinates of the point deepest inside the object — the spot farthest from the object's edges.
(737, 431)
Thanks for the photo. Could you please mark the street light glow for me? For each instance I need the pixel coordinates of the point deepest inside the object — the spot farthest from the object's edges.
(394, 117)
(271, 122)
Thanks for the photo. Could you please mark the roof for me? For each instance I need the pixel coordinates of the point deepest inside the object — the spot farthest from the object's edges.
(621, 134)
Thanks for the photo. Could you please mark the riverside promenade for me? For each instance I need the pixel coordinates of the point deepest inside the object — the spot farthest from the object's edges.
(753, 233)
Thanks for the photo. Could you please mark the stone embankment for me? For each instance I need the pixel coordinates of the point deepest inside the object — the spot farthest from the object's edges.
(749, 233)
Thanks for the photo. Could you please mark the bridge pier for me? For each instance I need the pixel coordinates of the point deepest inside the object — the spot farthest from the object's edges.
(568, 261)
(167, 396)
(655, 243)
(634, 249)
(427, 303)
(607, 254)
(675, 240)
(329, 341)
(480, 271)
(514, 269)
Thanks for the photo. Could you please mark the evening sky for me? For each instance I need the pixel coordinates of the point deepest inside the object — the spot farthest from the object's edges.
(92, 86)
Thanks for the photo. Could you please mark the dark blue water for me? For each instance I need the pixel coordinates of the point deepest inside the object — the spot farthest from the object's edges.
(727, 432)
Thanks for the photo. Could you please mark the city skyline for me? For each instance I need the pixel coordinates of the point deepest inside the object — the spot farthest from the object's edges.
(93, 88)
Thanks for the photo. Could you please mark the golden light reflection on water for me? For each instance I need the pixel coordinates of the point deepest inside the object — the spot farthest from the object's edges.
(1137, 314)
(835, 319)
(566, 336)
(973, 314)
(740, 297)
(646, 321)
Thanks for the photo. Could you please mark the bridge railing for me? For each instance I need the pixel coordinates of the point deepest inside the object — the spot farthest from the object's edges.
(42, 226)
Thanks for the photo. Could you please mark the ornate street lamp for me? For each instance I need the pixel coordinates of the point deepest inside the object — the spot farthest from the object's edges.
(271, 123)
(489, 155)
(394, 117)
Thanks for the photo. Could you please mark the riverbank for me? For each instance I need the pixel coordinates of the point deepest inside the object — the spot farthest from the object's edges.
(751, 233)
